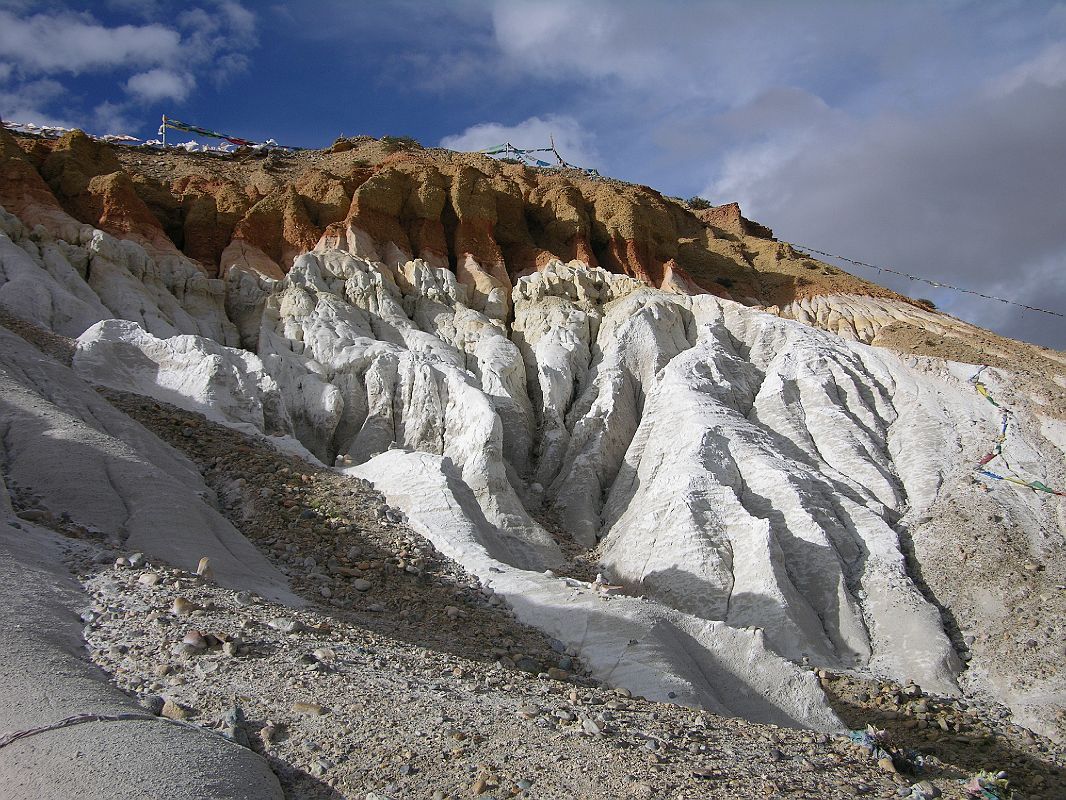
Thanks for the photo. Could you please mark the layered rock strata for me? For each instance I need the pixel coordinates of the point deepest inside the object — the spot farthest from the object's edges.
(761, 490)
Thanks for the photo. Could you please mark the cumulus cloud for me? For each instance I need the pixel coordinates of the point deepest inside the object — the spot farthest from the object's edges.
(1047, 69)
(571, 140)
(160, 84)
(926, 137)
(971, 196)
(110, 117)
(158, 57)
(22, 103)
(69, 42)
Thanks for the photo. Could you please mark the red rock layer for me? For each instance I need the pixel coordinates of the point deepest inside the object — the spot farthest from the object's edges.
(490, 221)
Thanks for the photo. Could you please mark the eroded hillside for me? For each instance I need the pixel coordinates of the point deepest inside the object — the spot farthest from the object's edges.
(761, 496)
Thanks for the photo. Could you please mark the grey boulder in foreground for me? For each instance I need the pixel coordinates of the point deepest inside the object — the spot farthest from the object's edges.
(45, 678)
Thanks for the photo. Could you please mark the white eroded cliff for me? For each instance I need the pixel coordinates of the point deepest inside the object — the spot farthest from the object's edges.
(751, 482)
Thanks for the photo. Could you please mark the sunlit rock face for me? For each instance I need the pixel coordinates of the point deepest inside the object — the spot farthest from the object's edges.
(760, 491)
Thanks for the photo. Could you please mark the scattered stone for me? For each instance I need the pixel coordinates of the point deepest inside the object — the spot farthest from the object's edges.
(320, 766)
(183, 606)
(528, 665)
(924, 790)
(195, 639)
(591, 727)
(283, 625)
(528, 711)
(267, 733)
(309, 709)
(173, 710)
(232, 723)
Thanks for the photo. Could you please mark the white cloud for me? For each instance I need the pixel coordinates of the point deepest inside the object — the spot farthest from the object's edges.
(572, 141)
(1047, 69)
(160, 84)
(23, 102)
(969, 196)
(68, 42)
(729, 52)
(111, 117)
(158, 60)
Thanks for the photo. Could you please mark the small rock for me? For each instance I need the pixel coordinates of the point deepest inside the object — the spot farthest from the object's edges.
(173, 710)
(195, 639)
(183, 606)
(268, 732)
(591, 727)
(557, 674)
(149, 579)
(310, 709)
(528, 711)
(528, 665)
(283, 625)
(481, 784)
(924, 790)
(230, 649)
(362, 585)
(203, 569)
(233, 726)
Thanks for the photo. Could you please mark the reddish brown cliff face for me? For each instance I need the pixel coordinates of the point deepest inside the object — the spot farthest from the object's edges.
(490, 221)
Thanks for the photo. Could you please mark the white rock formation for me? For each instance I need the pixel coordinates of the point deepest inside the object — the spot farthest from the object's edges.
(645, 647)
(66, 286)
(861, 318)
(72, 454)
(748, 476)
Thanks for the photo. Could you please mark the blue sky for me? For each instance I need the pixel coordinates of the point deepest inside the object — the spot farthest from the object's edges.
(930, 137)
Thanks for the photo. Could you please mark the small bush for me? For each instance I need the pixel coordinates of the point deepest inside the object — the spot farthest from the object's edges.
(394, 143)
(724, 282)
(925, 301)
(698, 203)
